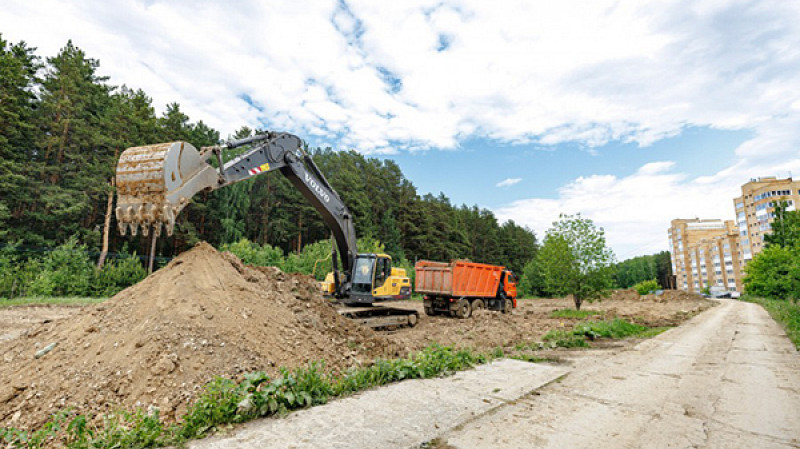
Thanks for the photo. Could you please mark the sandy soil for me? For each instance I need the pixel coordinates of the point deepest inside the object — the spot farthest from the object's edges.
(532, 319)
(205, 314)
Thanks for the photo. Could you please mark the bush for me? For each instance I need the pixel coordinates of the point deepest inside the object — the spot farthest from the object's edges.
(65, 271)
(774, 273)
(252, 253)
(118, 274)
(646, 287)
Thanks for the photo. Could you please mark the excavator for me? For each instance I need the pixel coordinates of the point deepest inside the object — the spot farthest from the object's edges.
(155, 182)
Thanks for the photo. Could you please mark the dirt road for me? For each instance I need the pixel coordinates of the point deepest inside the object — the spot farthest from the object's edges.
(729, 378)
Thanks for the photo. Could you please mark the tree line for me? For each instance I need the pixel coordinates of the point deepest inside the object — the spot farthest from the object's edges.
(63, 126)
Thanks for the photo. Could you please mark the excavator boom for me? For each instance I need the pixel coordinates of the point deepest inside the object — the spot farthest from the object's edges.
(155, 182)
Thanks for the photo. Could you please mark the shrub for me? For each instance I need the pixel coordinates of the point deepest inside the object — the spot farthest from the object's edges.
(252, 253)
(118, 274)
(646, 287)
(65, 271)
(774, 273)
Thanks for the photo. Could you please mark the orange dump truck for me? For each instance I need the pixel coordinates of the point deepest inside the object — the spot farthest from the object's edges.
(459, 287)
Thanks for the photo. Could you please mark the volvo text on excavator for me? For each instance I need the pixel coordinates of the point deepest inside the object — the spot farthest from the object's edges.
(155, 182)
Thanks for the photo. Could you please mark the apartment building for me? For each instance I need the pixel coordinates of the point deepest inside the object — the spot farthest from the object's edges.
(755, 211)
(704, 254)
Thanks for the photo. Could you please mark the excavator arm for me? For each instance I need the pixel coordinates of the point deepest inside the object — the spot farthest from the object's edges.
(155, 182)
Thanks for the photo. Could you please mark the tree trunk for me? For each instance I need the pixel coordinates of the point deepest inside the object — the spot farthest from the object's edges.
(299, 232)
(107, 225)
(578, 301)
(152, 254)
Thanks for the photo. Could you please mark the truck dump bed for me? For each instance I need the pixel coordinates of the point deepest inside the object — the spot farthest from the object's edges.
(457, 279)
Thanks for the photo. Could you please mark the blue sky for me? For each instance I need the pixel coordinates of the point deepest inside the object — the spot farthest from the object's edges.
(472, 174)
(630, 113)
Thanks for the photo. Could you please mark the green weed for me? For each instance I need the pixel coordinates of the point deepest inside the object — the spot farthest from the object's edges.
(572, 313)
(225, 401)
(57, 300)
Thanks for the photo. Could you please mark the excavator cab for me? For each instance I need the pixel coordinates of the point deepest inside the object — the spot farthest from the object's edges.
(374, 278)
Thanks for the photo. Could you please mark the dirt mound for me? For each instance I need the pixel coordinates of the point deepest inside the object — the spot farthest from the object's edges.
(158, 342)
(625, 295)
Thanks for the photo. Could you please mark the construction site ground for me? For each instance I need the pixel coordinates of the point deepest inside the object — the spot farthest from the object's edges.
(728, 378)
(159, 342)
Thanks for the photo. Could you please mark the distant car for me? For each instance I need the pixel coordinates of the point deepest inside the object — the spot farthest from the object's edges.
(735, 294)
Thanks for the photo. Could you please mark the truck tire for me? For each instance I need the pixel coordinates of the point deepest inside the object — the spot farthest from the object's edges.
(508, 305)
(429, 311)
(462, 308)
(478, 304)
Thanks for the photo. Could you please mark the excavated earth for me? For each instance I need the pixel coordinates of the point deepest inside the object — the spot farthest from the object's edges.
(158, 342)
(206, 314)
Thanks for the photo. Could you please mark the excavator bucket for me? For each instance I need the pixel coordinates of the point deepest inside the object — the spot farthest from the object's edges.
(155, 182)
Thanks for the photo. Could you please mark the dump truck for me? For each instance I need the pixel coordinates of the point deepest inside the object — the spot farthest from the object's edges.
(460, 287)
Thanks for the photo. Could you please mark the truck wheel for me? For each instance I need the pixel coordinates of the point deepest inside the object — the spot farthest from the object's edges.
(463, 309)
(429, 311)
(508, 305)
(478, 304)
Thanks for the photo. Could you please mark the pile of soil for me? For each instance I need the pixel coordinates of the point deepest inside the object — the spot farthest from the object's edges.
(158, 342)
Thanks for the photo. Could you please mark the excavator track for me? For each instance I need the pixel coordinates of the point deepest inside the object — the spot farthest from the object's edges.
(380, 317)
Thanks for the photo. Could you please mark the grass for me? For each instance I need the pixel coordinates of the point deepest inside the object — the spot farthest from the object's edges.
(225, 402)
(784, 311)
(572, 313)
(592, 330)
(54, 300)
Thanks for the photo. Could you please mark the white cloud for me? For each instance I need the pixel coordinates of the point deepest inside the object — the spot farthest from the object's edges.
(517, 71)
(636, 210)
(369, 75)
(508, 182)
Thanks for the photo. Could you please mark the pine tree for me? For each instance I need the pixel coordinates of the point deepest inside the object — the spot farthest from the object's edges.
(18, 66)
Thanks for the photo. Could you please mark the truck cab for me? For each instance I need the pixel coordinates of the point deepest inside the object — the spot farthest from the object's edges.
(510, 281)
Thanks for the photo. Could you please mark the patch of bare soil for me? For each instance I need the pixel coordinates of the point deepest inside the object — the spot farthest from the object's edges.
(532, 319)
(158, 342)
(206, 315)
(15, 321)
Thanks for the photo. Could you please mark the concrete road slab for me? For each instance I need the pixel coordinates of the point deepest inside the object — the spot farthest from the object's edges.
(402, 415)
(728, 378)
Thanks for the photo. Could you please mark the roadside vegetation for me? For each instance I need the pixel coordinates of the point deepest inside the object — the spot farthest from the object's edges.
(225, 401)
(773, 276)
(785, 312)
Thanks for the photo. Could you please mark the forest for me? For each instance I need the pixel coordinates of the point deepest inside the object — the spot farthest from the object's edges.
(63, 126)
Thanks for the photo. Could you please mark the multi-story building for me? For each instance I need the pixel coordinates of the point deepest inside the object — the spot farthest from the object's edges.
(703, 254)
(755, 211)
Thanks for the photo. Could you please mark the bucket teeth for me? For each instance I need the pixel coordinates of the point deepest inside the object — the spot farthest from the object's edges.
(155, 182)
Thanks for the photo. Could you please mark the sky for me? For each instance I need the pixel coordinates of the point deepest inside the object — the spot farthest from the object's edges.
(630, 113)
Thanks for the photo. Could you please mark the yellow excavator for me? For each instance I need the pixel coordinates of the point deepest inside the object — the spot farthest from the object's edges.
(155, 182)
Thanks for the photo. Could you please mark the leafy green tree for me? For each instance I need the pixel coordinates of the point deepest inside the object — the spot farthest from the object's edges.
(774, 273)
(785, 228)
(574, 260)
